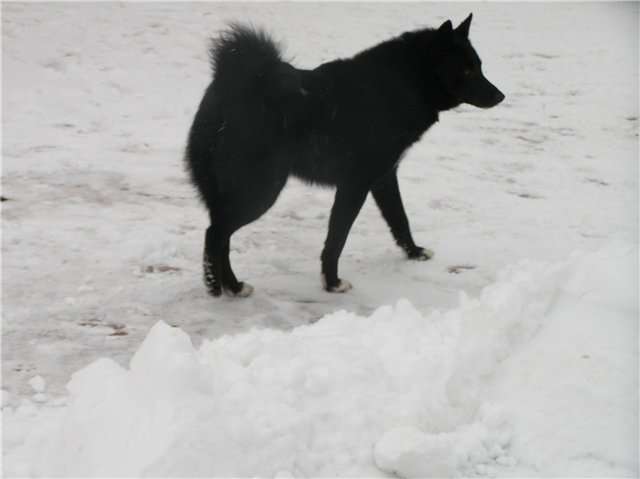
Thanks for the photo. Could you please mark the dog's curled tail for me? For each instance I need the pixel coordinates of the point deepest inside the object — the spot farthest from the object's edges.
(242, 52)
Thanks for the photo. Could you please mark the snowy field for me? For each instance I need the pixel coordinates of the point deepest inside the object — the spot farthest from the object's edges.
(513, 352)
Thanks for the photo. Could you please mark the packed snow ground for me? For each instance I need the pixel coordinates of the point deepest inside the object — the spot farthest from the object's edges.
(102, 239)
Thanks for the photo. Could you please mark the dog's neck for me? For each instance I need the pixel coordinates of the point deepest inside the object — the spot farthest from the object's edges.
(407, 55)
(438, 96)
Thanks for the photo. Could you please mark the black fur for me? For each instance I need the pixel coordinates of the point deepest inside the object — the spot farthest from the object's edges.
(344, 124)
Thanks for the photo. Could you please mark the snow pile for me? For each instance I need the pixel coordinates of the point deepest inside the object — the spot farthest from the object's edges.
(496, 386)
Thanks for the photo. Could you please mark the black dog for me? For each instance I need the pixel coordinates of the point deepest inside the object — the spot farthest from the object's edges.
(345, 124)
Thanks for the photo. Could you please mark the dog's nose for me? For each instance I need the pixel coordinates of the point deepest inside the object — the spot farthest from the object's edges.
(499, 96)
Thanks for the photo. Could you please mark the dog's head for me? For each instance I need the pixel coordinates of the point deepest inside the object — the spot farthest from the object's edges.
(459, 69)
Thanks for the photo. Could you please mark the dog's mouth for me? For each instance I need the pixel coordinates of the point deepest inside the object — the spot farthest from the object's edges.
(489, 102)
(483, 94)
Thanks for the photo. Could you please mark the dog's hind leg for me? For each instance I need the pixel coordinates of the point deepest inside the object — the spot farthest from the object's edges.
(386, 193)
(231, 285)
(346, 206)
(230, 212)
(211, 267)
(218, 275)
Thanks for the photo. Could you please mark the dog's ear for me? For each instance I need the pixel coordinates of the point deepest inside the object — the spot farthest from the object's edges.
(446, 28)
(445, 32)
(463, 28)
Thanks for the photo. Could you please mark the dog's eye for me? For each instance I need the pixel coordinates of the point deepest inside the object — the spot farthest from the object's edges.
(468, 72)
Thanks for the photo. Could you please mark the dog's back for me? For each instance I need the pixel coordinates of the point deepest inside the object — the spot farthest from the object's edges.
(362, 111)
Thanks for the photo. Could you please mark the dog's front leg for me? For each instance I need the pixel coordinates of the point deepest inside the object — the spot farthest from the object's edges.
(386, 192)
(346, 206)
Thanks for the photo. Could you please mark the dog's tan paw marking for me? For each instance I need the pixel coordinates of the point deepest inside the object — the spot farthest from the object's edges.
(423, 254)
(244, 292)
(342, 287)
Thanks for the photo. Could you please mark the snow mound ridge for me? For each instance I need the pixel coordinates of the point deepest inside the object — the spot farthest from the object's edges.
(393, 393)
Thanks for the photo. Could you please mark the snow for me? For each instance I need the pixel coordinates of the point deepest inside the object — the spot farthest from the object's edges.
(500, 385)
(38, 384)
(507, 344)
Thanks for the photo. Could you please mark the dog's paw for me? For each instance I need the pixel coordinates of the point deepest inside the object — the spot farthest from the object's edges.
(244, 291)
(420, 254)
(342, 287)
(214, 291)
